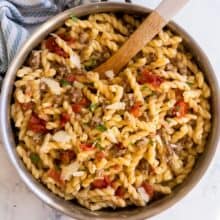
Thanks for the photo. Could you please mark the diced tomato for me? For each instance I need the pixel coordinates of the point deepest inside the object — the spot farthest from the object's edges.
(100, 155)
(65, 117)
(56, 176)
(27, 106)
(67, 38)
(77, 107)
(148, 189)
(147, 76)
(84, 102)
(86, 147)
(66, 156)
(135, 109)
(36, 124)
(180, 109)
(120, 192)
(53, 47)
(101, 183)
(70, 78)
(107, 180)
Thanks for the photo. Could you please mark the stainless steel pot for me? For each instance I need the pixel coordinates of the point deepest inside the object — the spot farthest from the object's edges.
(71, 208)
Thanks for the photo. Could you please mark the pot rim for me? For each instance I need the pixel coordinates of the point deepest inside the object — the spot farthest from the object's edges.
(69, 208)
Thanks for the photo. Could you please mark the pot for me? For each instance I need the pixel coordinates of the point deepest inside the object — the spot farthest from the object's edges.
(72, 209)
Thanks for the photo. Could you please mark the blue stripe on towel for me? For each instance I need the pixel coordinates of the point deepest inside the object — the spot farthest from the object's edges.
(16, 16)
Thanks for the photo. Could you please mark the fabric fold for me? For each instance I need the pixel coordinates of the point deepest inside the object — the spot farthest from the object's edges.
(18, 17)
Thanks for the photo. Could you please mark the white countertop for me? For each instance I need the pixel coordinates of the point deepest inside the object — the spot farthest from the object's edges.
(18, 203)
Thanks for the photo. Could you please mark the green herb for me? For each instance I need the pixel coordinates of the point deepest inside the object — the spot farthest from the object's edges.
(97, 144)
(93, 107)
(90, 64)
(151, 141)
(153, 93)
(90, 84)
(74, 18)
(189, 83)
(101, 127)
(168, 120)
(131, 144)
(64, 82)
(144, 87)
(35, 159)
(57, 167)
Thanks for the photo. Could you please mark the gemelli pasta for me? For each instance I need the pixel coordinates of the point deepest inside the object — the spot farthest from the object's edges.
(108, 140)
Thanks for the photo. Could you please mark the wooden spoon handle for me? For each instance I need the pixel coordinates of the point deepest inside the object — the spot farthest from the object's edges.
(168, 8)
(145, 32)
(150, 27)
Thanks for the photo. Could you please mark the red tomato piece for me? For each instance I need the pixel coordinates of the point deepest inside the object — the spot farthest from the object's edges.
(27, 106)
(70, 78)
(107, 180)
(180, 109)
(65, 117)
(56, 176)
(101, 183)
(148, 189)
(66, 156)
(120, 192)
(100, 155)
(53, 47)
(84, 102)
(147, 76)
(86, 147)
(135, 109)
(76, 107)
(36, 124)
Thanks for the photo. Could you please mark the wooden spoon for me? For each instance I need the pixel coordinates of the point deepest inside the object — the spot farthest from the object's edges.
(150, 27)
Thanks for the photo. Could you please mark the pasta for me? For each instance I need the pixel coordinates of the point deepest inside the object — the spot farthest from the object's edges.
(110, 140)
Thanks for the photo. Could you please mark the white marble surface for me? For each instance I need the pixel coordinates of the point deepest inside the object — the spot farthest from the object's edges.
(200, 19)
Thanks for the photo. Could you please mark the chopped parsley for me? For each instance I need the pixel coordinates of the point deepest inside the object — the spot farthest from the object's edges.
(90, 84)
(64, 82)
(90, 64)
(189, 83)
(101, 127)
(93, 107)
(74, 18)
(168, 120)
(144, 87)
(57, 167)
(151, 141)
(97, 144)
(153, 93)
(35, 159)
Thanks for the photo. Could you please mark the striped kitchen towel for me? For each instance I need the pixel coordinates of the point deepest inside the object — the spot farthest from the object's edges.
(17, 17)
